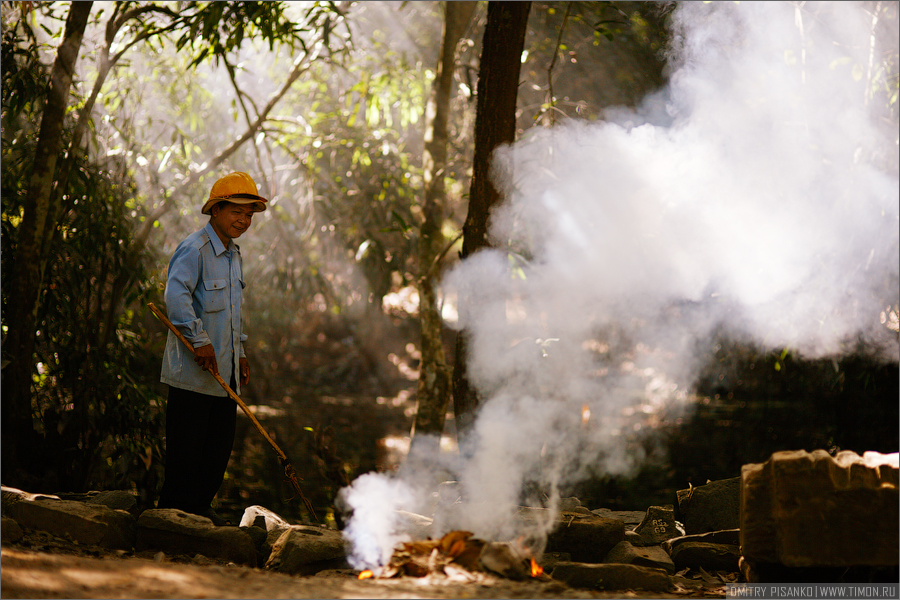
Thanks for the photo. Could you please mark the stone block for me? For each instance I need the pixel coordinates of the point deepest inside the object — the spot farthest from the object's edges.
(657, 526)
(11, 532)
(300, 548)
(177, 532)
(711, 507)
(116, 500)
(93, 525)
(586, 538)
(727, 537)
(808, 509)
(711, 557)
(650, 556)
(611, 577)
(631, 518)
(633, 538)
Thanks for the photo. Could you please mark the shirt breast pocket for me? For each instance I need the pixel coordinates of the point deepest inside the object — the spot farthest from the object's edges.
(215, 296)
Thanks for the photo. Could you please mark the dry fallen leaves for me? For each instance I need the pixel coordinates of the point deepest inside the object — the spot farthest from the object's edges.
(457, 555)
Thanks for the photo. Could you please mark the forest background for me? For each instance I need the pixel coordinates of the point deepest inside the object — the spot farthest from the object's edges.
(326, 105)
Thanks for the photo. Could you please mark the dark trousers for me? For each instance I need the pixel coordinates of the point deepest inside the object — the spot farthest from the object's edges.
(199, 438)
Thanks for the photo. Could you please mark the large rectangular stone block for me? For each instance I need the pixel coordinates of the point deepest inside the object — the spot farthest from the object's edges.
(84, 523)
(804, 509)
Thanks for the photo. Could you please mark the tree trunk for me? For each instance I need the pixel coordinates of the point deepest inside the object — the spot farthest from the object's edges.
(34, 236)
(433, 394)
(495, 124)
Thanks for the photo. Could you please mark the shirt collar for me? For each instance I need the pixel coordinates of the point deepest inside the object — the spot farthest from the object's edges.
(218, 246)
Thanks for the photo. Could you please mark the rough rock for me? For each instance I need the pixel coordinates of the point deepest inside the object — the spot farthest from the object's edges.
(657, 526)
(257, 534)
(12, 533)
(305, 550)
(728, 537)
(568, 504)
(803, 509)
(711, 507)
(611, 576)
(572, 504)
(631, 518)
(260, 540)
(176, 532)
(551, 559)
(711, 557)
(116, 500)
(586, 538)
(84, 523)
(634, 538)
(714, 551)
(649, 556)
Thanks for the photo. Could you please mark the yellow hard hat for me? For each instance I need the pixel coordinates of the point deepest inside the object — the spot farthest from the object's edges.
(237, 187)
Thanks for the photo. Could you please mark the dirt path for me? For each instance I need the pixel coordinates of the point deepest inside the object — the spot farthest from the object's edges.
(28, 573)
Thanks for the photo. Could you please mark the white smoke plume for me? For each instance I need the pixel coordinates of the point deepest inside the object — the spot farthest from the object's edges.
(750, 196)
(376, 527)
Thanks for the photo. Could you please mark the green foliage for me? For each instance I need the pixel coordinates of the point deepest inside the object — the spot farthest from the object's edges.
(24, 77)
(215, 30)
(356, 137)
(94, 395)
(591, 55)
(95, 400)
(99, 374)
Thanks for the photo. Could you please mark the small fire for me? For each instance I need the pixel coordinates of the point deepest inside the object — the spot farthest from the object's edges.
(585, 413)
(536, 569)
(366, 574)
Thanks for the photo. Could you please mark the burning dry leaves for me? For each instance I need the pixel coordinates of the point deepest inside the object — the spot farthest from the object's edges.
(458, 556)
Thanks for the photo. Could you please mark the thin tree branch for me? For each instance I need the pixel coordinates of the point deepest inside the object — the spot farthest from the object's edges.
(300, 65)
(551, 101)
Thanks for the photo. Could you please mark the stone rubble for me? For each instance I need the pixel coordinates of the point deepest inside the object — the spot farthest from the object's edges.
(594, 549)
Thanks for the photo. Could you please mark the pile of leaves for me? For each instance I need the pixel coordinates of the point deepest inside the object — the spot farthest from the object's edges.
(460, 556)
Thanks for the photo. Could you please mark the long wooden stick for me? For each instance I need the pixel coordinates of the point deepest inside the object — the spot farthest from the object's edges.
(289, 471)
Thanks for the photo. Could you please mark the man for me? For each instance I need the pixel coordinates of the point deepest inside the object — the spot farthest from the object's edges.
(203, 300)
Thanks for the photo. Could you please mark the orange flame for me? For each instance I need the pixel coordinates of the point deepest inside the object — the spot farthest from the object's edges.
(585, 413)
(536, 569)
(366, 574)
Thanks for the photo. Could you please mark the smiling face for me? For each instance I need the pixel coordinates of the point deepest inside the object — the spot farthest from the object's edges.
(230, 220)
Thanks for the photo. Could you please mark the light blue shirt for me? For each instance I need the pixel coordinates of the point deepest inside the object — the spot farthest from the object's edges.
(203, 300)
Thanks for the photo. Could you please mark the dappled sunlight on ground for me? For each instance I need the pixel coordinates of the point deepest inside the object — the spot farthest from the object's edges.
(28, 574)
